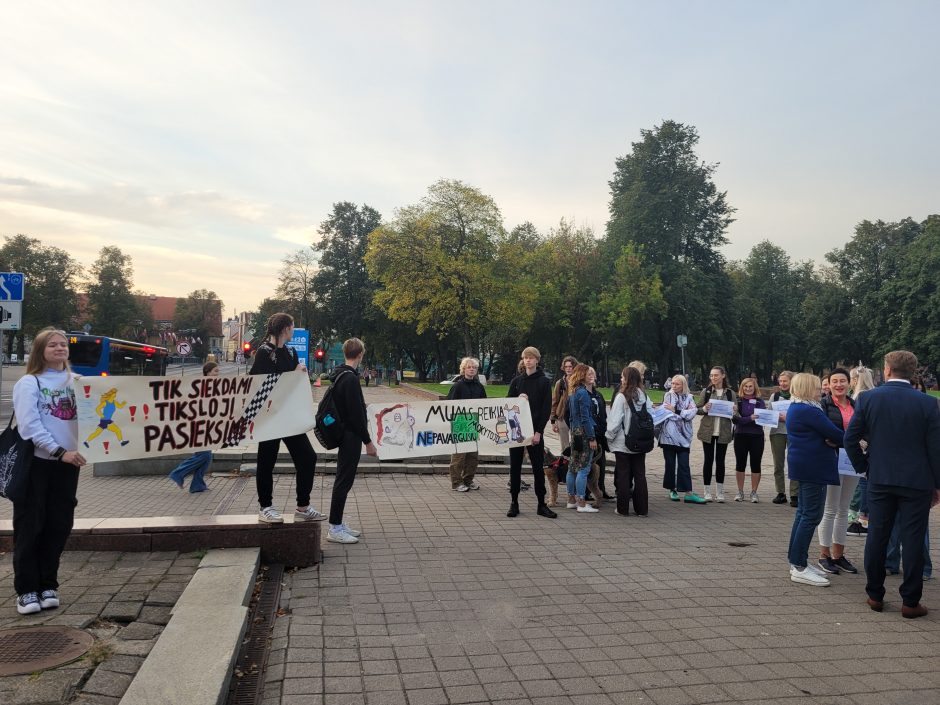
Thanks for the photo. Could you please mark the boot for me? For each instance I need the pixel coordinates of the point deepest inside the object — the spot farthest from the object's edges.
(544, 511)
(513, 510)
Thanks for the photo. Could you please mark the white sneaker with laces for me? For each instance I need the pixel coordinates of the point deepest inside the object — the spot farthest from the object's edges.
(720, 497)
(48, 599)
(461, 488)
(807, 577)
(472, 485)
(571, 505)
(28, 603)
(754, 498)
(351, 532)
(739, 497)
(337, 535)
(308, 514)
(270, 515)
(708, 494)
(588, 508)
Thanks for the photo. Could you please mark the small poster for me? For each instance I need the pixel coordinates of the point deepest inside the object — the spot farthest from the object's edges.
(768, 418)
(722, 408)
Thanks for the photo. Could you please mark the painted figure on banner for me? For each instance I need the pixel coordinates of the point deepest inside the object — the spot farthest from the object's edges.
(396, 427)
(105, 410)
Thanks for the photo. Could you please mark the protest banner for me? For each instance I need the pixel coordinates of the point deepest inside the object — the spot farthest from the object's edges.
(416, 429)
(120, 418)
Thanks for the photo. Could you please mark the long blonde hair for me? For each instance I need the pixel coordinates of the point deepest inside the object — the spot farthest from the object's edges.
(863, 381)
(37, 356)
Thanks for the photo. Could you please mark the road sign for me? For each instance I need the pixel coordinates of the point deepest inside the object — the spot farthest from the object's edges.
(11, 315)
(681, 341)
(11, 286)
(301, 343)
(184, 348)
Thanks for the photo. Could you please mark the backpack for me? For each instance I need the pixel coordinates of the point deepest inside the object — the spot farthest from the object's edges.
(639, 437)
(329, 429)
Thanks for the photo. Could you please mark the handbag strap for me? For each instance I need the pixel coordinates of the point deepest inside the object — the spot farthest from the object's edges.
(13, 413)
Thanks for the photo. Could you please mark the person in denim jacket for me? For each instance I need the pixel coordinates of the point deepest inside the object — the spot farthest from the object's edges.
(583, 443)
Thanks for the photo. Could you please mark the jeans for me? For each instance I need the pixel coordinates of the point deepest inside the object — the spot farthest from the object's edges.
(893, 561)
(778, 447)
(812, 499)
(197, 464)
(577, 481)
(678, 474)
(860, 499)
(835, 519)
(42, 522)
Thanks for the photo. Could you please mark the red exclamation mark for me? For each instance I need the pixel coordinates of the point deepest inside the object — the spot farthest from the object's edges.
(251, 429)
(106, 444)
(87, 390)
(146, 412)
(269, 404)
(133, 411)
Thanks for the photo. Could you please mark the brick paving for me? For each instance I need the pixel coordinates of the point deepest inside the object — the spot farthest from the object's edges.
(446, 600)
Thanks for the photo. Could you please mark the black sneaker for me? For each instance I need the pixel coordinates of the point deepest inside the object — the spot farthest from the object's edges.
(781, 498)
(828, 565)
(794, 500)
(845, 565)
(544, 511)
(856, 529)
(513, 510)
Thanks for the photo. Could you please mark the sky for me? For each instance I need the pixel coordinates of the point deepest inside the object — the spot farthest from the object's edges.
(209, 140)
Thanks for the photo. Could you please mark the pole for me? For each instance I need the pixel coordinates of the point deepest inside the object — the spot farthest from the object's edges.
(1, 358)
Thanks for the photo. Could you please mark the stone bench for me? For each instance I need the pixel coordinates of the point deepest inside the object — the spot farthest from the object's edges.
(291, 543)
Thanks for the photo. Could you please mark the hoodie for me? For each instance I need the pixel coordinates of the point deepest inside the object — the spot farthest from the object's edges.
(539, 391)
(350, 404)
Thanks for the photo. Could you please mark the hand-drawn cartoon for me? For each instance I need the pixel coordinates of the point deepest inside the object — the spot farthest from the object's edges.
(515, 423)
(105, 410)
(396, 426)
(501, 431)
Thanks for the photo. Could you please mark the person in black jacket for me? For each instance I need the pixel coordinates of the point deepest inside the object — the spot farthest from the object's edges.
(532, 384)
(599, 414)
(463, 466)
(273, 356)
(351, 409)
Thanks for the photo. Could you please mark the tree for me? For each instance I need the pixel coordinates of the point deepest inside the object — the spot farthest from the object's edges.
(295, 286)
(433, 262)
(200, 313)
(342, 286)
(51, 277)
(111, 304)
(916, 296)
(664, 200)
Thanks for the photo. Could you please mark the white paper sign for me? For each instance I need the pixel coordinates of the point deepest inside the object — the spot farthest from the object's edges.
(769, 418)
(414, 429)
(722, 408)
(120, 418)
(845, 465)
(781, 406)
(660, 414)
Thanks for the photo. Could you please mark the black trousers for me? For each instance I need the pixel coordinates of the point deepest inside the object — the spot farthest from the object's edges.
(347, 463)
(305, 465)
(714, 452)
(630, 481)
(537, 458)
(910, 507)
(746, 446)
(42, 523)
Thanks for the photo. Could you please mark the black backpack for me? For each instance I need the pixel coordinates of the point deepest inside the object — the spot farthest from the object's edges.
(329, 428)
(639, 437)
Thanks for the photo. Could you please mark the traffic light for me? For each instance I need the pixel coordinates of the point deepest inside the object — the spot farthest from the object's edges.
(320, 354)
(246, 347)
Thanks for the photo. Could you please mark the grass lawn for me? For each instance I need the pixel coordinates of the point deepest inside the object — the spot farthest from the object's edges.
(501, 390)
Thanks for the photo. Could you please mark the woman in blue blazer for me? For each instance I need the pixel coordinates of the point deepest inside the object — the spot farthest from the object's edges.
(813, 461)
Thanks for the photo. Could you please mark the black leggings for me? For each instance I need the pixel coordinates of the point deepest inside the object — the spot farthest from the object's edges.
(714, 452)
(305, 465)
(537, 458)
(347, 463)
(748, 444)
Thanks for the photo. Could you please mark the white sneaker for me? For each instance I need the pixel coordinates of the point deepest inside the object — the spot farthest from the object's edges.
(308, 514)
(571, 505)
(754, 498)
(461, 488)
(816, 569)
(708, 494)
(351, 532)
(28, 603)
(337, 535)
(739, 497)
(720, 497)
(807, 577)
(472, 485)
(269, 515)
(48, 599)
(587, 508)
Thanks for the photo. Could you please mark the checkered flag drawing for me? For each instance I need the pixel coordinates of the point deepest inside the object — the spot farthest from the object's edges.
(239, 429)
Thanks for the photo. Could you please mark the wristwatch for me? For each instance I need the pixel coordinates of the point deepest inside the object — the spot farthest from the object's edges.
(59, 452)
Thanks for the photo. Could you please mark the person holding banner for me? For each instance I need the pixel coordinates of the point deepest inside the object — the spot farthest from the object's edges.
(532, 384)
(273, 356)
(583, 442)
(715, 432)
(778, 441)
(675, 439)
(198, 462)
(463, 466)
(748, 437)
(44, 406)
(839, 408)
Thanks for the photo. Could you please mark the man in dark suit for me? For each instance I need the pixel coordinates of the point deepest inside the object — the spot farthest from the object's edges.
(902, 429)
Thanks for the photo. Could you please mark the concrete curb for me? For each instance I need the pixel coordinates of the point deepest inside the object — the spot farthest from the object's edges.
(193, 659)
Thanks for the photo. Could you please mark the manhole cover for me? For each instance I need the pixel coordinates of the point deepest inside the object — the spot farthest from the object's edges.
(31, 649)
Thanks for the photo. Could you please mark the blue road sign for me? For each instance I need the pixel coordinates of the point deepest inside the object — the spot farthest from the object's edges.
(11, 286)
(301, 343)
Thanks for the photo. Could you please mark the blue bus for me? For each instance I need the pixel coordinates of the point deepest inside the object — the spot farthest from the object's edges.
(104, 356)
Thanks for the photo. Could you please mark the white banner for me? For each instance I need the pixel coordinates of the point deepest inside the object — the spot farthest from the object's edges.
(413, 429)
(120, 418)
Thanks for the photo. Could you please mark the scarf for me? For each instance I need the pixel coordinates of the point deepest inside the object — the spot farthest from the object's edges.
(797, 400)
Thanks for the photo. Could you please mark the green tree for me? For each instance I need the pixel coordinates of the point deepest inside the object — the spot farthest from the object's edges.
(916, 296)
(664, 200)
(201, 314)
(113, 308)
(342, 286)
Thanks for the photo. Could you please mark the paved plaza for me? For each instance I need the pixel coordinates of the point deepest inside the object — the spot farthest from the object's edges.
(447, 601)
